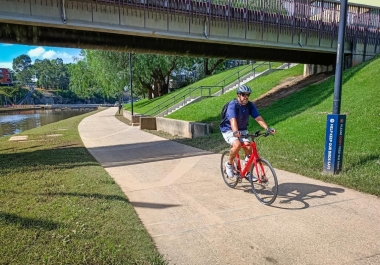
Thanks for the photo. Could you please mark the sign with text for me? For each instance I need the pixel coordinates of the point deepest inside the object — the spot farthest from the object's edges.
(334, 143)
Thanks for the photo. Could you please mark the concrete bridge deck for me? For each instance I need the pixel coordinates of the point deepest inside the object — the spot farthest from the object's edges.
(291, 31)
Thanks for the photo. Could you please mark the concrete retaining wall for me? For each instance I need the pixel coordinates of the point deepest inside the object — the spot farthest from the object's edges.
(182, 128)
(148, 123)
(135, 119)
(174, 127)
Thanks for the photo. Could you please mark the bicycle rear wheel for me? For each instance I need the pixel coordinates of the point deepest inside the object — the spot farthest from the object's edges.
(266, 189)
(230, 182)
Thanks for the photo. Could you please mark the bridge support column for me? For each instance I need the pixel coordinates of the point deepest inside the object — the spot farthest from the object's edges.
(357, 53)
(313, 69)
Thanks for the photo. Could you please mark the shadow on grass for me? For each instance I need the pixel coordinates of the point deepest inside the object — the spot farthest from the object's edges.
(25, 222)
(89, 195)
(295, 196)
(59, 158)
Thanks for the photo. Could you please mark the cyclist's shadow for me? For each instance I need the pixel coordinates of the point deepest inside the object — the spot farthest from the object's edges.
(295, 196)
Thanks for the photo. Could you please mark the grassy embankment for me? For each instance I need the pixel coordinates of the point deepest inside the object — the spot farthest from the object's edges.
(59, 206)
(221, 79)
(300, 120)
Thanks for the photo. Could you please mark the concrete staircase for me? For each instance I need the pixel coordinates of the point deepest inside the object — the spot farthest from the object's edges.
(27, 96)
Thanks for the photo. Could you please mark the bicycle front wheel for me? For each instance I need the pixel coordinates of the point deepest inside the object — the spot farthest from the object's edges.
(230, 181)
(266, 187)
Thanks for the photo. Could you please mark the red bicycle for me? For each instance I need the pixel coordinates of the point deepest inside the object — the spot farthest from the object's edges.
(265, 184)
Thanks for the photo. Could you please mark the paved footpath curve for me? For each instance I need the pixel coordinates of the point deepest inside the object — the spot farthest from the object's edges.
(194, 218)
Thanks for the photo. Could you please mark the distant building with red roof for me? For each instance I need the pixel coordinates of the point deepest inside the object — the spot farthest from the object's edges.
(5, 77)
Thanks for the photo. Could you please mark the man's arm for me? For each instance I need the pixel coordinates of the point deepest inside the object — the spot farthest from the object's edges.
(234, 127)
(263, 124)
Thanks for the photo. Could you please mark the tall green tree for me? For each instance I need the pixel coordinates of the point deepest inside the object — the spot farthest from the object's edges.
(51, 74)
(22, 67)
(153, 72)
(107, 72)
(82, 81)
(210, 65)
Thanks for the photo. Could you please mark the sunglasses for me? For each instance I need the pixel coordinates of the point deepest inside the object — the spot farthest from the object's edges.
(245, 95)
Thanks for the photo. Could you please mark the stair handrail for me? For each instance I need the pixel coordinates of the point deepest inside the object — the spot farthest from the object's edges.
(241, 70)
(26, 96)
(168, 106)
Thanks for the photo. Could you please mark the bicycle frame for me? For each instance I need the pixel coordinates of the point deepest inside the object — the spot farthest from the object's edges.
(253, 159)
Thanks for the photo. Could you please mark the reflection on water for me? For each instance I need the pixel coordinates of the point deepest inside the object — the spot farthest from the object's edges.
(18, 121)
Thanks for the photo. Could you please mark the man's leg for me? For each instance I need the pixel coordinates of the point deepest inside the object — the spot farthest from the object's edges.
(235, 147)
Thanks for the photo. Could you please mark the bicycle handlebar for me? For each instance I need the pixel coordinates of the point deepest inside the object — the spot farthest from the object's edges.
(257, 134)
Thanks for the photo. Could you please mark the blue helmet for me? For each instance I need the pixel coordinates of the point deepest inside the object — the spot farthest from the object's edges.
(243, 89)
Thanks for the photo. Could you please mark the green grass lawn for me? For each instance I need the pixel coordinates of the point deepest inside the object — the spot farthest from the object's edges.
(300, 120)
(59, 206)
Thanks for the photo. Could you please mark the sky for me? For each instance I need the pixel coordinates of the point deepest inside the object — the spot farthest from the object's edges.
(8, 52)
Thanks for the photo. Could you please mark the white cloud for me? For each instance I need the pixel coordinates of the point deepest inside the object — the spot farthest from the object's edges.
(6, 65)
(49, 55)
(36, 52)
(41, 53)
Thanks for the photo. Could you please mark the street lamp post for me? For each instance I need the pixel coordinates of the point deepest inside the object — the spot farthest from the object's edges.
(336, 123)
(130, 80)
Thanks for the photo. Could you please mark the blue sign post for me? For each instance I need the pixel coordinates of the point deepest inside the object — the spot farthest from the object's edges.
(336, 125)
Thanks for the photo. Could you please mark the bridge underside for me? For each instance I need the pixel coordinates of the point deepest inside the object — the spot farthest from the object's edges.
(84, 39)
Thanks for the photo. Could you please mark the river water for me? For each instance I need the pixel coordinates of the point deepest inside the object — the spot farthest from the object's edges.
(14, 122)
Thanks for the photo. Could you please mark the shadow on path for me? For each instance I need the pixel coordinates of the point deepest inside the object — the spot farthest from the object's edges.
(153, 205)
(288, 193)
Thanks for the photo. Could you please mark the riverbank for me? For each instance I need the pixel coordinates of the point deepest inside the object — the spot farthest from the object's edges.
(18, 107)
(58, 205)
(9, 108)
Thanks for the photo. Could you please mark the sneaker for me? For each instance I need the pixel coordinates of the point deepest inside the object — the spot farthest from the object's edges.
(249, 176)
(229, 170)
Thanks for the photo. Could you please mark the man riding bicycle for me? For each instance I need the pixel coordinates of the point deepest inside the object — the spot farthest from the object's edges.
(235, 125)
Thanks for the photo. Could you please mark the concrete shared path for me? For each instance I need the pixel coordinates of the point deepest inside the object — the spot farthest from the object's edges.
(194, 218)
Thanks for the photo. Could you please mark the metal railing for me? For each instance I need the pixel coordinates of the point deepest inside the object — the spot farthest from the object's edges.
(319, 18)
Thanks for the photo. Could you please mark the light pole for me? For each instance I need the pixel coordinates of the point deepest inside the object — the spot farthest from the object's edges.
(130, 80)
(336, 123)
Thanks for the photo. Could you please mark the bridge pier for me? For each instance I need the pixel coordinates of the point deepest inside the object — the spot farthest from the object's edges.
(362, 52)
(313, 69)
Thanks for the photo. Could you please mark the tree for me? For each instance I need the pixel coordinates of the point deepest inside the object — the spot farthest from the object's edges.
(213, 64)
(100, 72)
(21, 65)
(153, 72)
(51, 73)
(107, 72)
(81, 81)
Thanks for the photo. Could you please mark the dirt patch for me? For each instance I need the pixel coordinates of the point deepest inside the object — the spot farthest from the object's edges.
(287, 87)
